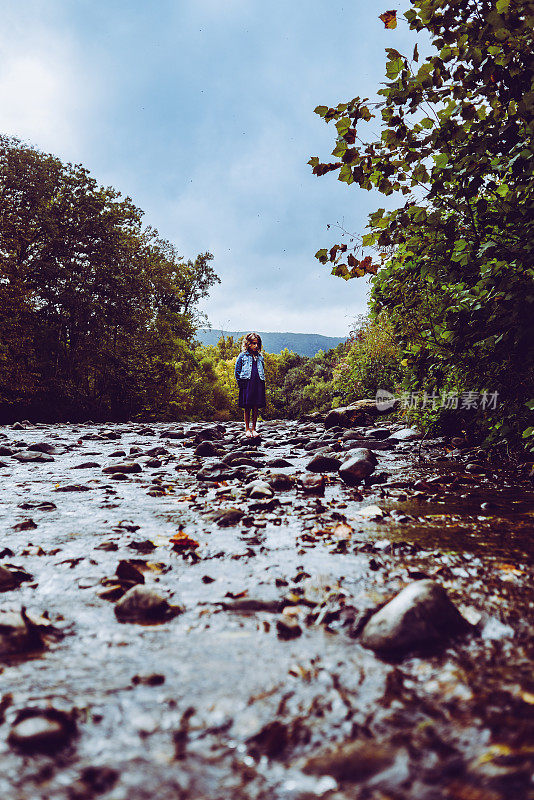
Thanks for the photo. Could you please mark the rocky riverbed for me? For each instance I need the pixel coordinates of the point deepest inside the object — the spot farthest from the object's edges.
(325, 612)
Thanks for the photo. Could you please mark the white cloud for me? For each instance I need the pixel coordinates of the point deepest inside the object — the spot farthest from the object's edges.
(41, 96)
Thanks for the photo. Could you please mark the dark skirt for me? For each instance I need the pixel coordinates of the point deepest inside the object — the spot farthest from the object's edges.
(252, 391)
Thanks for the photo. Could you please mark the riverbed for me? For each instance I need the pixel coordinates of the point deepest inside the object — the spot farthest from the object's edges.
(253, 682)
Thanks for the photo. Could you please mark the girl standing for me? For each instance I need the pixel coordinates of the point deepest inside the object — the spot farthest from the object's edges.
(250, 377)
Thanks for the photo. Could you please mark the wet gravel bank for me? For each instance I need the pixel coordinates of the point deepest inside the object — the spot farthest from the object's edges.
(194, 609)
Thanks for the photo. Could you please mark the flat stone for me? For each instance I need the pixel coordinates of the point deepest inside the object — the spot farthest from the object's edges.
(405, 435)
(352, 762)
(420, 615)
(126, 468)
(30, 457)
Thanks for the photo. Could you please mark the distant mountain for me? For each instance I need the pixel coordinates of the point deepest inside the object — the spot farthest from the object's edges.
(305, 344)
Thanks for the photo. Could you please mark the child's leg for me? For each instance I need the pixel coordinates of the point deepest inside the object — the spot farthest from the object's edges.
(247, 419)
(254, 419)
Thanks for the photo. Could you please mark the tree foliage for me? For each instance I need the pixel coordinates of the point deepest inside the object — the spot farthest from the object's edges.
(97, 312)
(454, 260)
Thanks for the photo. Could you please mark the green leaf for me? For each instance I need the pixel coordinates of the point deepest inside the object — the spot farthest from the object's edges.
(321, 110)
(502, 6)
(441, 160)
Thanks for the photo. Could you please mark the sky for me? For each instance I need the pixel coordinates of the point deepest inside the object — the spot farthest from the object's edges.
(202, 112)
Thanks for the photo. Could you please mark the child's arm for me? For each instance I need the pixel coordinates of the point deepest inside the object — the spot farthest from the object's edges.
(238, 366)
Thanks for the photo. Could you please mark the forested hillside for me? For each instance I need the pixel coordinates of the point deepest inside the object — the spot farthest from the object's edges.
(304, 344)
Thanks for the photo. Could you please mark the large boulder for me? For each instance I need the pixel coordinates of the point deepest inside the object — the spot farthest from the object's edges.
(356, 414)
(421, 615)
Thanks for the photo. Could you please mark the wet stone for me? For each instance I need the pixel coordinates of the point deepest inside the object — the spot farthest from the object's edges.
(352, 762)
(31, 457)
(11, 578)
(421, 615)
(323, 463)
(314, 484)
(42, 730)
(357, 468)
(126, 468)
(141, 604)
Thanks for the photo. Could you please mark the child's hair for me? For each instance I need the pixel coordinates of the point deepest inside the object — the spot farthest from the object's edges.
(247, 339)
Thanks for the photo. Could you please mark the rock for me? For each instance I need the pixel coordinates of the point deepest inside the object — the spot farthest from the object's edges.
(356, 413)
(405, 435)
(86, 465)
(157, 451)
(118, 454)
(323, 463)
(356, 468)
(226, 517)
(127, 571)
(144, 546)
(6, 451)
(208, 449)
(30, 457)
(141, 604)
(73, 487)
(218, 471)
(354, 761)
(42, 730)
(420, 615)
(278, 463)
(378, 433)
(258, 489)
(12, 578)
(371, 512)
(153, 462)
(126, 468)
(281, 482)
(42, 447)
(21, 632)
(287, 628)
(314, 484)
(376, 444)
(25, 525)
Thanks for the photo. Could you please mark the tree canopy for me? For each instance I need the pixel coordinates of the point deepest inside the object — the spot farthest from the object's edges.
(454, 260)
(97, 312)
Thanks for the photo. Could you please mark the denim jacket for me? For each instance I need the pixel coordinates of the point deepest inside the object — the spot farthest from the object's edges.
(243, 366)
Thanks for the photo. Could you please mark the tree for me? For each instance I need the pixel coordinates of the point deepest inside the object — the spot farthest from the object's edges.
(455, 258)
(98, 311)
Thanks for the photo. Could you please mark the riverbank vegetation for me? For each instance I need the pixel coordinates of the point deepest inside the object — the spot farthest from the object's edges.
(451, 261)
(97, 311)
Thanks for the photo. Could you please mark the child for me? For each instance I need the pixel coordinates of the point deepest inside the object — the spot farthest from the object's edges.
(250, 377)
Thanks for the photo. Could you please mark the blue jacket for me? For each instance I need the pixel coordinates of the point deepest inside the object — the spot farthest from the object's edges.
(243, 366)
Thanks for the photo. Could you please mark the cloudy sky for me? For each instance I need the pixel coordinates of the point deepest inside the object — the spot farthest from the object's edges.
(202, 112)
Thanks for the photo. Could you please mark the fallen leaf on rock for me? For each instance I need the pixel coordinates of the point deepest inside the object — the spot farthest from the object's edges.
(181, 541)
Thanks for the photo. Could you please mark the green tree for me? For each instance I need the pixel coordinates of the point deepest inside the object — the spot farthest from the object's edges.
(455, 258)
(97, 309)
